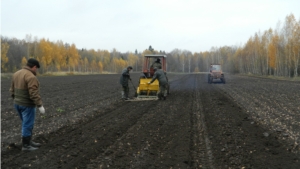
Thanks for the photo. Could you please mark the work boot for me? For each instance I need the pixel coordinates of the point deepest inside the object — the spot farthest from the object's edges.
(27, 147)
(123, 95)
(164, 97)
(34, 144)
(26, 144)
(126, 96)
(159, 96)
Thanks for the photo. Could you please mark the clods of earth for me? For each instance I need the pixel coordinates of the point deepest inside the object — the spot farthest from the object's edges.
(248, 122)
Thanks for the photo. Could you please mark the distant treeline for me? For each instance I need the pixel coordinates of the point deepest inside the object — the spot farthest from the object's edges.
(272, 52)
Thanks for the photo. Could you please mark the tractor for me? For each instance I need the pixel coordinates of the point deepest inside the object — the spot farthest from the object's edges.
(216, 72)
(145, 91)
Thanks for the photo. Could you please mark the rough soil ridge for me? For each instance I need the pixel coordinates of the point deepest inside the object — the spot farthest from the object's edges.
(246, 123)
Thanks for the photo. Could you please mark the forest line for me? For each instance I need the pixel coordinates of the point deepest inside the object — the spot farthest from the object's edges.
(271, 52)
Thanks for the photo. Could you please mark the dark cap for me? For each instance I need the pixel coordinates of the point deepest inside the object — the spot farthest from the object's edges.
(157, 59)
(129, 67)
(33, 62)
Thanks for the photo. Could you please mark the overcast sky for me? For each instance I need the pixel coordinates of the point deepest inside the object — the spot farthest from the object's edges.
(127, 25)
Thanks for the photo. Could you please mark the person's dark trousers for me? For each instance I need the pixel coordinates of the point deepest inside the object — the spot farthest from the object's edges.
(162, 94)
(125, 91)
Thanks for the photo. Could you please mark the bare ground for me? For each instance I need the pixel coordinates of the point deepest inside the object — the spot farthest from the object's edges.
(246, 123)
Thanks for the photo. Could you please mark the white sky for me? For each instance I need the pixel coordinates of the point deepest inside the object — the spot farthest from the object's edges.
(127, 25)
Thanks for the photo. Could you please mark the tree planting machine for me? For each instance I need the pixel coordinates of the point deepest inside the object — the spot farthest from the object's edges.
(147, 91)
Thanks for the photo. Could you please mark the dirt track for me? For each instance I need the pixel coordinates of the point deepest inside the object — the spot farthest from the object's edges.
(245, 123)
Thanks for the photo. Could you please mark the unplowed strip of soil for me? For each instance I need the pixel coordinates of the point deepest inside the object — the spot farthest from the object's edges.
(200, 125)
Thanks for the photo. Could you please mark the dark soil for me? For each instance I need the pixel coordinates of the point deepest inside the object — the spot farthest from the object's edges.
(246, 123)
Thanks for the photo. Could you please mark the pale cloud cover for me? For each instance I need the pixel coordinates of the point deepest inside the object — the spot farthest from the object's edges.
(127, 25)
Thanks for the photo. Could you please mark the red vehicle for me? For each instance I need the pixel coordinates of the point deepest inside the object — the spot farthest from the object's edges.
(148, 69)
(215, 72)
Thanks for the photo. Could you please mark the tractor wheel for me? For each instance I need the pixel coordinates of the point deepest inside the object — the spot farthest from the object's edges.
(223, 80)
(208, 78)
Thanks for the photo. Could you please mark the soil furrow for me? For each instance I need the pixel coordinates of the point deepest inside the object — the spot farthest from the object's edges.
(261, 106)
(200, 125)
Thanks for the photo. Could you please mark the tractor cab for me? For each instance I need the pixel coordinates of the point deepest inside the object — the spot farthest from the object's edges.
(152, 61)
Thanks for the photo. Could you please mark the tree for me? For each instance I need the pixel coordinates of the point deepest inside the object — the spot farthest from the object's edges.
(132, 59)
(296, 47)
(59, 55)
(289, 27)
(106, 60)
(24, 61)
(151, 49)
(120, 64)
(86, 63)
(182, 60)
(4, 58)
(100, 66)
(73, 57)
(272, 52)
(266, 38)
(93, 66)
(28, 40)
(45, 56)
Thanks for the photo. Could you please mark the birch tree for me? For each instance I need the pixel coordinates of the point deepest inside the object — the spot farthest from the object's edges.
(45, 56)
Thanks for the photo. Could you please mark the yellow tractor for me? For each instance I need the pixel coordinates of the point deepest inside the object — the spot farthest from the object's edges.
(147, 91)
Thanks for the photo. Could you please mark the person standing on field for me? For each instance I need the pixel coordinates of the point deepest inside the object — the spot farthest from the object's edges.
(125, 76)
(26, 95)
(163, 82)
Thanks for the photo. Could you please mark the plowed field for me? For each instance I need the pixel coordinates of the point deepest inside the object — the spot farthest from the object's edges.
(246, 123)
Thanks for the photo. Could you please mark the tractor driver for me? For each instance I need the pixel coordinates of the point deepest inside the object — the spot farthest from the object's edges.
(156, 63)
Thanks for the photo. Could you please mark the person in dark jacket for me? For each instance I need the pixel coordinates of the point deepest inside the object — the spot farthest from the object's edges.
(125, 76)
(163, 82)
(25, 92)
(156, 64)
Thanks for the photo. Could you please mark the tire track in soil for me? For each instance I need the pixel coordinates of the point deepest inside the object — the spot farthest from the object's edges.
(236, 140)
(74, 146)
(160, 137)
(204, 156)
(269, 104)
(198, 126)
(84, 103)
